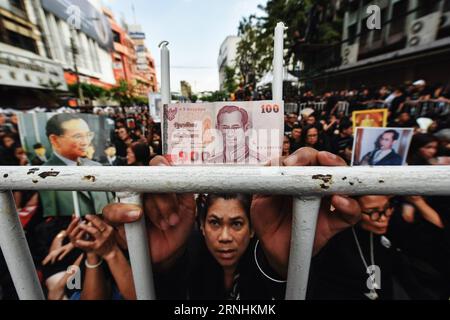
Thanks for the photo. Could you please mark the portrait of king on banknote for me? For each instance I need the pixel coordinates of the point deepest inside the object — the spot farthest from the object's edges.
(230, 133)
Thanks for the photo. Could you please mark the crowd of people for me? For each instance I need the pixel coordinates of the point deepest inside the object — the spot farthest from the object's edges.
(236, 246)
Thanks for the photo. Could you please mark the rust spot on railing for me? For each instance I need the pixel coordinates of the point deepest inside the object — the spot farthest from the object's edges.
(46, 174)
(90, 178)
(32, 171)
(326, 178)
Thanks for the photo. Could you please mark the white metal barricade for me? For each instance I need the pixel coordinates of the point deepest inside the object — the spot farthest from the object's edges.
(306, 184)
(342, 107)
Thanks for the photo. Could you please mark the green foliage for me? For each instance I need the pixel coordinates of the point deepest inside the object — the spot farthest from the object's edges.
(124, 93)
(194, 98)
(230, 83)
(255, 50)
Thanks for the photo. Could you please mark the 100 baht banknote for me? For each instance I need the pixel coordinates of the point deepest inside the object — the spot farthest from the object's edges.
(231, 133)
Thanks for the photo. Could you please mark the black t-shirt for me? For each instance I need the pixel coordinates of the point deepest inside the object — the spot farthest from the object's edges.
(427, 251)
(198, 276)
(338, 144)
(395, 104)
(294, 145)
(338, 271)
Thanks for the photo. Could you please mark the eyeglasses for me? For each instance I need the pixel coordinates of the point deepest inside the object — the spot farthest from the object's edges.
(376, 214)
(80, 137)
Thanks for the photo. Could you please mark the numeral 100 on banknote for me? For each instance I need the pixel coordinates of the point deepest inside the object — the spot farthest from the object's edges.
(223, 133)
(268, 108)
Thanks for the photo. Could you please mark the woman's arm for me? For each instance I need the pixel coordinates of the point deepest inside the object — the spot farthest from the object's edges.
(94, 285)
(122, 273)
(408, 212)
(427, 212)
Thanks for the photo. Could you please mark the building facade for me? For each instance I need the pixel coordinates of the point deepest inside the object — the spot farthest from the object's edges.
(145, 78)
(412, 43)
(124, 53)
(227, 56)
(27, 74)
(79, 36)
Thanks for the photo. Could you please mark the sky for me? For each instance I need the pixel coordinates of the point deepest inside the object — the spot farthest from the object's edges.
(195, 30)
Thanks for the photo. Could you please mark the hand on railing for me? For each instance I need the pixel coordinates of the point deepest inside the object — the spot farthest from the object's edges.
(272, 215)
(170, 219)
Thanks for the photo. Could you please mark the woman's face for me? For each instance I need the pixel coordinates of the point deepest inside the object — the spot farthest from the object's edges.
(131, 157)
(312, 137)
(286, 145)
(8, 142)
(429, 150)
(227, 231)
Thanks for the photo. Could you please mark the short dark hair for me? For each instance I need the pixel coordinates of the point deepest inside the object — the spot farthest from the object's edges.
(344, 125)
(395, 137)
(54, 124)
(394, 132)
(297, 126)
(230, 109)
(204, 202)
(142, 153)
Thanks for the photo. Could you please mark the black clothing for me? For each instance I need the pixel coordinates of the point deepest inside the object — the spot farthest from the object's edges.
(425, 252)
(338, 271)
(392, 159)
(294, 145)
(198, 276)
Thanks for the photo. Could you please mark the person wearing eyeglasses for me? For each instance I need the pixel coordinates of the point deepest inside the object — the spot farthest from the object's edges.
(358, 263)
(70, 138)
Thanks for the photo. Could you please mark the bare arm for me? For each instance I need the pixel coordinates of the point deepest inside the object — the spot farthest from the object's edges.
(122, 273)
(94, 285)
(427, 212)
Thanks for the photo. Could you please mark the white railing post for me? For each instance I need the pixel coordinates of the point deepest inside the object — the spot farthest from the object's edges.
(16, 251)
(278, 62)
(165, 73)
(305, 210)
(304, 221)
(138, 248)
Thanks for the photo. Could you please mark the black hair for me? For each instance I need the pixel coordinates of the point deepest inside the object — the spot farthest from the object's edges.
(418, 141)
(305, 134)
(141, 153)
(54, 124)
(395, 137)
(204, 202)
(345, 124)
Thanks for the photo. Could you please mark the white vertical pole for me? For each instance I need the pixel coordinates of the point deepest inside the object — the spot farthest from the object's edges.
(305, 210)
(278, 61)
(22, 130)
(76, 204)
(16, 252)
(36, 128)
(165, 73)
(137, 240)
(304, 221)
